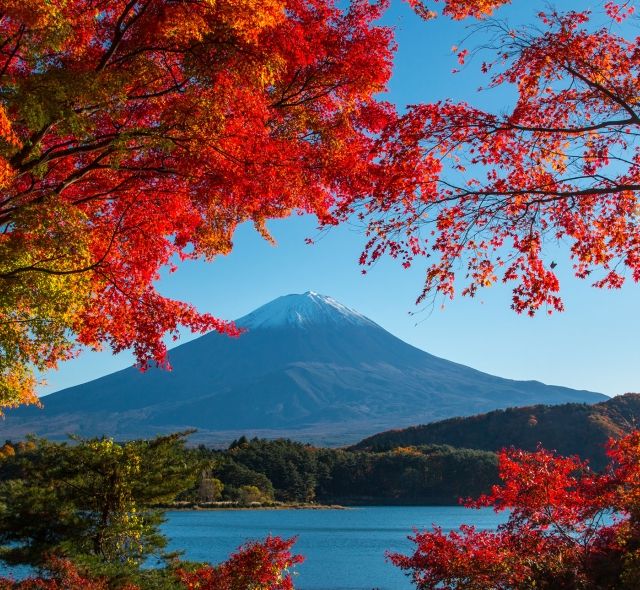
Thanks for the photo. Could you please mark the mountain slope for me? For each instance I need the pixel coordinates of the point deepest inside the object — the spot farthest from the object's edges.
(307, 367)
(570, 429)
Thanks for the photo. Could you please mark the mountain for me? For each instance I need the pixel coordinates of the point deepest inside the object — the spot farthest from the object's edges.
(570, 429)
(307, 367)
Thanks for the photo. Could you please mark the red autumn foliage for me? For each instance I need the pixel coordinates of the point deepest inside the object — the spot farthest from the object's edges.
(254, 566)
(484, 193)
(457, 9)
(137, 133)
(568, 528)
(63, 575)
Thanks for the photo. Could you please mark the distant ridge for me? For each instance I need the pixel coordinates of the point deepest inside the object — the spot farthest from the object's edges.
(570, 429)
(308, 367)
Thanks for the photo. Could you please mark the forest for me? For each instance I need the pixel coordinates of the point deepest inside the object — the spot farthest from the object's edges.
(264, 471)
(283, 471)
(569, 429)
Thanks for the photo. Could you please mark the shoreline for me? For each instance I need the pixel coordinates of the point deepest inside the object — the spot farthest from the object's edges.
(189, 506)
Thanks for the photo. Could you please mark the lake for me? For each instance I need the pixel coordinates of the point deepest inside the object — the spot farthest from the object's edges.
(343, 549)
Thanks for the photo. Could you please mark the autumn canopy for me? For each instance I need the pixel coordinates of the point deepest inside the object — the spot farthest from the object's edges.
(138, 133)
(483, 194)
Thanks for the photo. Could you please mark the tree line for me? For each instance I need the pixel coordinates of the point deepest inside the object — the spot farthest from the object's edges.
(282, 470)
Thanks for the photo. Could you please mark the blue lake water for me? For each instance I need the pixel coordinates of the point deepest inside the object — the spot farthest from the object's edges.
(343, 549)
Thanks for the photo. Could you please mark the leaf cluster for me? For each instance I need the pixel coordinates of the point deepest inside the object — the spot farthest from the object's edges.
(134, 133)
(568, 527)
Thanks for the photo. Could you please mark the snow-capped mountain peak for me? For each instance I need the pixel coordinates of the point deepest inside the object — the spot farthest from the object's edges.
(308, 368)
(302, 310)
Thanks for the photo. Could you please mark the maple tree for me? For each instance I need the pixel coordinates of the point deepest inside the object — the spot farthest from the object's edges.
(136, 133)
(256, 565)
(482, 193)
(568, 527)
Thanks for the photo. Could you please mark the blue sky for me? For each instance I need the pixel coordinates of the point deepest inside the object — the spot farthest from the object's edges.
(592, 345)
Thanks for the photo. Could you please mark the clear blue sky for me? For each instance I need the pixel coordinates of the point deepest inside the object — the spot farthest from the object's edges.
(592, 345)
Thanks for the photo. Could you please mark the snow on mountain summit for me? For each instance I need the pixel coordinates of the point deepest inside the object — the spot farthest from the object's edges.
(309, 368)
(303, 310)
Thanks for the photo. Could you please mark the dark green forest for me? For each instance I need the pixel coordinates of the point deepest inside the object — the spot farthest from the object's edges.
(285, 471)
(436, 463)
